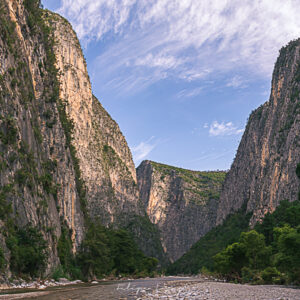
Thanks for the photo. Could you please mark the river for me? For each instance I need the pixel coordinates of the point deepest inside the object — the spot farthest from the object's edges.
(129, 289)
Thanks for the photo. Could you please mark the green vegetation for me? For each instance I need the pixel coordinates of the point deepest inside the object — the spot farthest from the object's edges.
(297, 73)
(201, 253)
(5, 207)
(242, 259)
(7, 29)
(9, 132)
(268, 254)
(149, 236)
(204, 185)
(217, 176)
(103, 252)
(28, 251)
(112, 251)
(68, 265)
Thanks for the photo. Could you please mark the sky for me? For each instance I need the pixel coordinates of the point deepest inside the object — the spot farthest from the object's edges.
(181, 77)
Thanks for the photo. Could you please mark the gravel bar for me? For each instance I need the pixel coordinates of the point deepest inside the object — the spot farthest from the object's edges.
(220, 291)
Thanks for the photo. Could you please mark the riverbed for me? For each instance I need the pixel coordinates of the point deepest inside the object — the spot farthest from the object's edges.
(187, 288)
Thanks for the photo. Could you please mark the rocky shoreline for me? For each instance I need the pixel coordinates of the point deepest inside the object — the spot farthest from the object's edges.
(39, 284)
(46, 283)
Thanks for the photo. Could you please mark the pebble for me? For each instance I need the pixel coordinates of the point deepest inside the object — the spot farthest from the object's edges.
(221, 291)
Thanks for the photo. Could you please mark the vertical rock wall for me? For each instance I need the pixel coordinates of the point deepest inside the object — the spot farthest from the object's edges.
(263, 172)
(104, 157)
(37, 173)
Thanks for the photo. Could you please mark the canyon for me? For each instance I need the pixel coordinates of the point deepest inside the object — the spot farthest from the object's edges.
(65, 164)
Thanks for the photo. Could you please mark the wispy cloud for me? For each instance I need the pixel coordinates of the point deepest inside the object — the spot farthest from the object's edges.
(221, 129)
(189, 93)
(184, 39)
(143, 149)
(161, 61)
(237, 82)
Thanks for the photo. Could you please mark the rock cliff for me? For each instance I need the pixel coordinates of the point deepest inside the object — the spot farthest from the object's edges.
(63, 159)
(105, 160)
(38, 180)
(182, 203)
(263, 172)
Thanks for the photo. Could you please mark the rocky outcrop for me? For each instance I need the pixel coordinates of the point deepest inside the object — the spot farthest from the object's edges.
(263, 172)
(181, 203)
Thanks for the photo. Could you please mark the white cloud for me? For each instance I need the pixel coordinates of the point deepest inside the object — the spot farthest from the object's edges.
(161, 61)
(141, 151)
(184, 39)
(221, 129)
(237, 82)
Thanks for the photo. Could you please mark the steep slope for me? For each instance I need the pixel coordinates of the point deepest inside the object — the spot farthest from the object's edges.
(63, 161)
(182, 203)
(104, 157)
(38, 181)
(202, 252)
(263, 172)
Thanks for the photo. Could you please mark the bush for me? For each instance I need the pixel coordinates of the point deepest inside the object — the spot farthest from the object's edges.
(287, 258)
(244, 259)
(9, 136)
(230, 261)
(64, 249)
(59, 272)
(275, 261)
(271, 275)
(28, 251)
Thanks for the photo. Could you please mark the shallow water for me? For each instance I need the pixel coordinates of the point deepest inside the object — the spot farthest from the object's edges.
(130, 289)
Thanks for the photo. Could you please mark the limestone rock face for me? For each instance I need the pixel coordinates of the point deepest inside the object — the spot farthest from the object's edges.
(37, 175)
(182, 203)
(105, 160)
(56, 139)
(263, 172)
(104, 157)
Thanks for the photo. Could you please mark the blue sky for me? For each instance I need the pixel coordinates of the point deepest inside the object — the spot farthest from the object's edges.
(181, 76)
